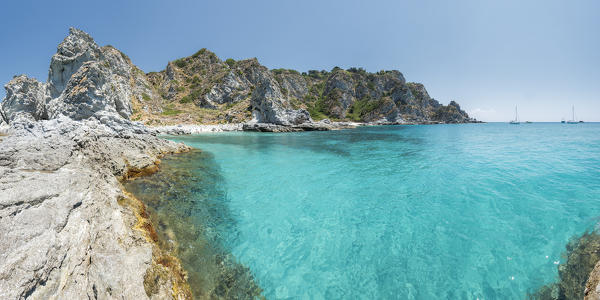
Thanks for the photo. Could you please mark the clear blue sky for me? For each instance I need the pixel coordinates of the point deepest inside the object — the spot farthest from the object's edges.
(543, 56)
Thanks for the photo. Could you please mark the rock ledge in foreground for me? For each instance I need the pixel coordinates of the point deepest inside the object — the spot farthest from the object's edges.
(65, 232)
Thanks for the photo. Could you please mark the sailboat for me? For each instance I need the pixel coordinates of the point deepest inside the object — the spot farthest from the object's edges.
(516, 120)
(573, 121)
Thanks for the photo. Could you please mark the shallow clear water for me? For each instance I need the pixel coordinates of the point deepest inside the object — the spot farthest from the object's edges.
(406, 212)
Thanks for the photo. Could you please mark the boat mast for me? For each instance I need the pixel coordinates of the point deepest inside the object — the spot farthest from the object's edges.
(516, 114)
(573, 113)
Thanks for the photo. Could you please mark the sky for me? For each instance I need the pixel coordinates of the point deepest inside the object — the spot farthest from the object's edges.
(542, 56)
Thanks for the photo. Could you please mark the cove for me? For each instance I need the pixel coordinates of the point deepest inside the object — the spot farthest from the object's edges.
(187, 207)
(397, 212)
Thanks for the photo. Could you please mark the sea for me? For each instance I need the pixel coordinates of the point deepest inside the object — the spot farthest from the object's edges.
(465, 211)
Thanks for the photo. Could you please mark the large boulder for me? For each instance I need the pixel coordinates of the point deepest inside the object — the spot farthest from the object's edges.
(90, 91)
(25, 98)
(450, 113)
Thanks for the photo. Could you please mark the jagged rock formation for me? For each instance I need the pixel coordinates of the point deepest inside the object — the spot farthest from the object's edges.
(64, 230)
(84, 81)
(228, 91)
(67, 230)
(25, 98)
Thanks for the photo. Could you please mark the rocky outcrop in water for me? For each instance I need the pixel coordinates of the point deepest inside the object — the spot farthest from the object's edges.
(67, 230)
(64, 230)
(84, 81)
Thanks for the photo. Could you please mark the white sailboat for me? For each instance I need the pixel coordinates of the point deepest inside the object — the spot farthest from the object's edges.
(572, 121)
(516, 120)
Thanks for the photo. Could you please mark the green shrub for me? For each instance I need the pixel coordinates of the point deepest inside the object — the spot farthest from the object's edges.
(317, 89)
(200, 52)
(371, 86)
(315, 107)
(180, 63)
(282, 70)
(357, 70)
(295, 102)
(195, 94)
(315, 113)
(359, 109)
(317, 74)
(146, 97)
(170, 111)
(186, 99)
(230, 62)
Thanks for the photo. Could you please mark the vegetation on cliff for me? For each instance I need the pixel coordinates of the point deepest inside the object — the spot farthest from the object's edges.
(206, 89)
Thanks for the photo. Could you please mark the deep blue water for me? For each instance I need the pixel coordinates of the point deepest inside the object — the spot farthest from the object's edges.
(407, 212)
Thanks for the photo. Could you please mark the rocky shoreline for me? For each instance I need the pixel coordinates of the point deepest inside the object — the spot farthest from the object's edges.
(67, 229)
(323, 125)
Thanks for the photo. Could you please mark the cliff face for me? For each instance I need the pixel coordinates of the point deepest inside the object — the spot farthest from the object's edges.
(88, 81)
(239, 91)
(67, 230)
(84, 81)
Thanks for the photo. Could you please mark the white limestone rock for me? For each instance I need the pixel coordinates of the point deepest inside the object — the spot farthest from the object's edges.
(231, 89)
(77, 48)
(25, 98)
(269, 105)
(63, 233)
(84, 81)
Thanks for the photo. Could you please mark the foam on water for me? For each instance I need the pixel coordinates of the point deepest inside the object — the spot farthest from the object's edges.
(406, 212)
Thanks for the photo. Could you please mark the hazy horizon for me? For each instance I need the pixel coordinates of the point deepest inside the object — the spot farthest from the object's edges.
(542, 56)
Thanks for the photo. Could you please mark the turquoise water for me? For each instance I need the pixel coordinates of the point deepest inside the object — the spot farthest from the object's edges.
(406, 212)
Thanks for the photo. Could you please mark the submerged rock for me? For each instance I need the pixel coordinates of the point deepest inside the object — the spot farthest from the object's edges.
(578, 276)
(187, 202)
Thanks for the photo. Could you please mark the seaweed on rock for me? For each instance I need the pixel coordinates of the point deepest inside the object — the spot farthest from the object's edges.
(185, 201)
(582, 254)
